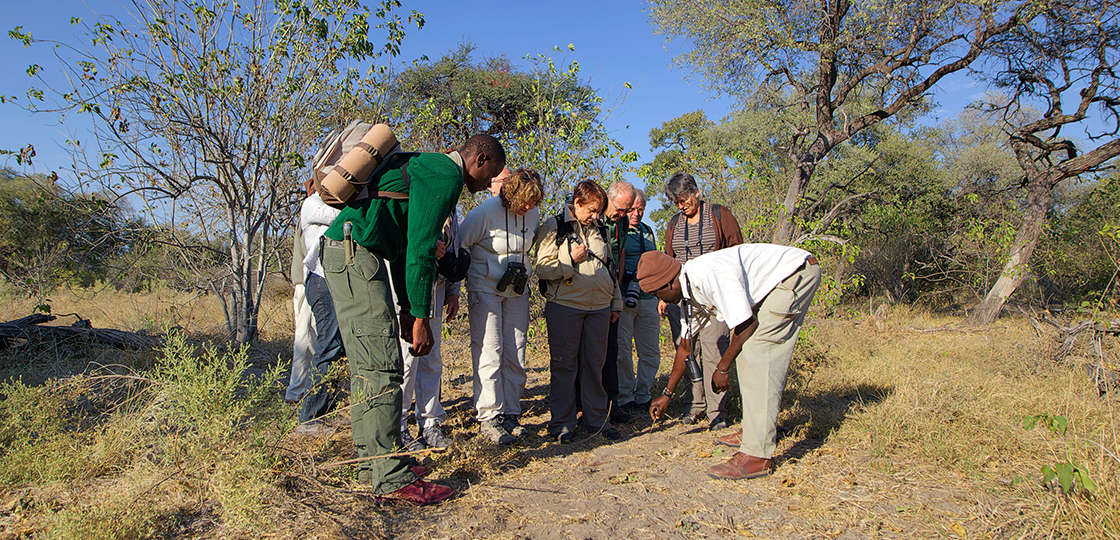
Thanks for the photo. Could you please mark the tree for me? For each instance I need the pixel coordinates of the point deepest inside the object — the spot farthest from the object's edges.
(1068, 55)
(56, 236)
(849, 65)
(204, 108)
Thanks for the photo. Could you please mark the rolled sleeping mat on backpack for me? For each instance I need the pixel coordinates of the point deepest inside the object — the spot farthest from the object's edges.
(351, 173)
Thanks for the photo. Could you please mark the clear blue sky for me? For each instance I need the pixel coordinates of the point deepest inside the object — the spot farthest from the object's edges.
(614, 44)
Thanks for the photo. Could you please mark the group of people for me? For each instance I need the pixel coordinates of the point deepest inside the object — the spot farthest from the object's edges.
(375, 279)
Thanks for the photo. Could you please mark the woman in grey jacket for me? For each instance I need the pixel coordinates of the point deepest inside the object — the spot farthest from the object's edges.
(498, 233)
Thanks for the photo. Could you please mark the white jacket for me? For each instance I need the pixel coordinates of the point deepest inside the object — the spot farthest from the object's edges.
(495, 237)
(315, 217)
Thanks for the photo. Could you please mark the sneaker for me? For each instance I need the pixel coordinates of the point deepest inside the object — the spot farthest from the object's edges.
(689, 419)
(512, 424)
(565, 436)
(411, 444)
(493, 430)
(435, 437)
(419, 493)
(314, 428)
(718, 424)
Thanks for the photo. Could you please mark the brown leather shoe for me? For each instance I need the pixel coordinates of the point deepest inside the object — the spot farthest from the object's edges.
(419, 493)
(733, 440)
(741, 467)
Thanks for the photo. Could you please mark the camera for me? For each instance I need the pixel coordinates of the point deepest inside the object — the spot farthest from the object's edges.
(515, 275)
(632, 292)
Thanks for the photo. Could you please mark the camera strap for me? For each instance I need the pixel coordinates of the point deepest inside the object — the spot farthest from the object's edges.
(521, 252)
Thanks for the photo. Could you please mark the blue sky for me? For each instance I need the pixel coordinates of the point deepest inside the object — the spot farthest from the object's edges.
(614, 44)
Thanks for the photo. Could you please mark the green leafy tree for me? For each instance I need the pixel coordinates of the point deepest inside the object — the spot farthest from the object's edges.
(203, 109)
(848, 66)
(547, 116)
(57, 236)
(1068, 60)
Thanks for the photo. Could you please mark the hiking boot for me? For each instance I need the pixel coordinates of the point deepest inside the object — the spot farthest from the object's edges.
(419, 493)
(411, 444)
(733, 440)
(314, 428)
(493, 430)
(741, 467)
(434, 436)
(512, 424)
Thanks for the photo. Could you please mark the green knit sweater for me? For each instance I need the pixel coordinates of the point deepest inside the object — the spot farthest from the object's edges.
(404, 232)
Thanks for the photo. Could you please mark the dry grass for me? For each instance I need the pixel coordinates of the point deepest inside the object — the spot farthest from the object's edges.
(886, 431)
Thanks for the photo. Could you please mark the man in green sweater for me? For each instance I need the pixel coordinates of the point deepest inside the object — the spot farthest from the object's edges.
(401, 231)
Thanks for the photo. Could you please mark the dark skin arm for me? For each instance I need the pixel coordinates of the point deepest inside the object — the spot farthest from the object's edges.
(657, 406)
(721, 380)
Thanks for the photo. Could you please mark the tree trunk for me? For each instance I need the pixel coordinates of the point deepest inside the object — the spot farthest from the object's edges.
(1039, 198)
(786, 229)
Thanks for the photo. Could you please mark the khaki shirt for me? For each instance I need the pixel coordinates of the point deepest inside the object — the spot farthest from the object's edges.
(588, 285)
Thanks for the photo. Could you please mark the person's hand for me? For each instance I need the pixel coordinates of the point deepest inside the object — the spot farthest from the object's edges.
(579, 253)
(406, 326)
(662, 308)
(657, 407)
(614, 316)
(451, 303)
(720, 382)
(422, 340)
(441, 248)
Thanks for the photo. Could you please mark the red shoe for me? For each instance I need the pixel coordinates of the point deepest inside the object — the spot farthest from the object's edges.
(733, 440)
(741, 467)
(419, 493)
(419, 470)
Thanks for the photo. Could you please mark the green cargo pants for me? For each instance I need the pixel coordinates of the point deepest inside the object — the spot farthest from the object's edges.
(359, 285)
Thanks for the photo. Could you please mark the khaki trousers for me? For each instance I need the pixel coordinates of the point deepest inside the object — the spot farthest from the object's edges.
(498, 329)
(764, 360)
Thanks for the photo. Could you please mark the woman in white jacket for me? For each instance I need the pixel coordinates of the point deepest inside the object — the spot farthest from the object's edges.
(498, 233)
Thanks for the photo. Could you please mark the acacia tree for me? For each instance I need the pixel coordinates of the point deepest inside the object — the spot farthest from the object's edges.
(849, 65)
(204, 108)
(1068, 60)
(547, 116)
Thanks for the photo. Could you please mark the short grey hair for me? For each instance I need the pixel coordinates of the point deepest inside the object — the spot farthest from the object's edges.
(679, 186)
(619, 188)
(639, 195)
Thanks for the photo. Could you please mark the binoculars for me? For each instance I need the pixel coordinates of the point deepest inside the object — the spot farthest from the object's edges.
(515, 275)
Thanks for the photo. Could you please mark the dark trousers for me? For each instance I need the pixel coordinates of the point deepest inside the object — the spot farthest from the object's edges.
(328, 349)
(577, 344)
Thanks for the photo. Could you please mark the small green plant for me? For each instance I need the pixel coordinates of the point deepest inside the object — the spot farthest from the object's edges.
(1069, 473)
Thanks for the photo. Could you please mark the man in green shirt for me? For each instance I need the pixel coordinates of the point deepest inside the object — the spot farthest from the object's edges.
(401, 230)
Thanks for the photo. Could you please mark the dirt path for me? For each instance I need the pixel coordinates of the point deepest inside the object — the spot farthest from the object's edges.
(652, 484)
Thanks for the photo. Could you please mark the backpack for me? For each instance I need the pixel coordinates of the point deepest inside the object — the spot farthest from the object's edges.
(564, 230)
(348, 158)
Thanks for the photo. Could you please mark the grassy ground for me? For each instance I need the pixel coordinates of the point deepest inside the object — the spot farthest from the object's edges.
(903, 427)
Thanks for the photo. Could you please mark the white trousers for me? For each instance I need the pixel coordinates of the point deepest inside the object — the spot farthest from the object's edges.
(303, 345)
(498, 329)
(422, 374)
(639, 328)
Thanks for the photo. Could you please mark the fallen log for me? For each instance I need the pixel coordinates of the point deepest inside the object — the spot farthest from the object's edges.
(29, 330)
